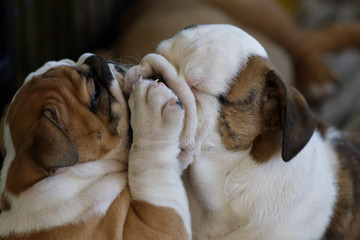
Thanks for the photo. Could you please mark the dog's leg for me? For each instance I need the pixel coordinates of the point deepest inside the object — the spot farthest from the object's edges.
(154, 171)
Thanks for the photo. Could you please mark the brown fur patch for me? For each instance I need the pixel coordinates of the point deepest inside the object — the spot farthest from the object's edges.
(146, 221)
(345, 223)
(266, 145)
(322, 127)
(240, 122)
(22, 174)
(5, 204)
(125, 219)
(258, 104)
(65, 92)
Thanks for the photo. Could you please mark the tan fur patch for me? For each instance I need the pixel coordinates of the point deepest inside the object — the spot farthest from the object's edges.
(240, 122)
(146, 221)
(245, 121)
(266, 145)
(259, 103)
(65, 93)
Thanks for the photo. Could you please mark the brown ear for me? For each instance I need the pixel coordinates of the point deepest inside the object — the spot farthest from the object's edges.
(51, 147)
(286, 108)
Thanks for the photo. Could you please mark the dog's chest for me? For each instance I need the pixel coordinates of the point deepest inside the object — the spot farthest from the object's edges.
(233, 188)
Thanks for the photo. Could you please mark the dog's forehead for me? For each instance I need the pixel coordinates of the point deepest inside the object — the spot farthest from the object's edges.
(45, 68)
(29, 97)
(54, 64)
(213, 54)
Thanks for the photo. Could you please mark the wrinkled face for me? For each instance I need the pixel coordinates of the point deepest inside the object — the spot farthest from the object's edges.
(231, 94)
(64, 114)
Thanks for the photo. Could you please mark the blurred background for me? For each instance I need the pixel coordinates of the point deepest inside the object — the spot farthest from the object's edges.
(36, 31)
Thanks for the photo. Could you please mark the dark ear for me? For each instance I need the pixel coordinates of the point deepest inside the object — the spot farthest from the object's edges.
(286, 108)
(51, 147)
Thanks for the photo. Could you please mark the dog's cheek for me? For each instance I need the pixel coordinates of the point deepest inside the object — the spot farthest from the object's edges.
(238, 127)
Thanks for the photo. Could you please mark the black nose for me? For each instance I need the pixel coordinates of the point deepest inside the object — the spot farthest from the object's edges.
(100, 69)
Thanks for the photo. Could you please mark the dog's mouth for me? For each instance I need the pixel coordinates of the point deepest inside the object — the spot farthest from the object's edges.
(158, 77)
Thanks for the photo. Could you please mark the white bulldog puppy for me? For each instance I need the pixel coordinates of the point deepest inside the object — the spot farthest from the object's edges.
(261, 165)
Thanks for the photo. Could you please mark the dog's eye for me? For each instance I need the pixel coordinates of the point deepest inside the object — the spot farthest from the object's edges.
(96, 92)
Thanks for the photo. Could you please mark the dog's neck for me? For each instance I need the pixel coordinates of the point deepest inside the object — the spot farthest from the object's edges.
(65, 197)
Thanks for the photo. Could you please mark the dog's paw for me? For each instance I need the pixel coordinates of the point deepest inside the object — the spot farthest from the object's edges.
(156, 114)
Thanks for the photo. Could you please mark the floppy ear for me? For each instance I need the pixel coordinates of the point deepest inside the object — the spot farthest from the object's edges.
(286, 108)
(51, 147)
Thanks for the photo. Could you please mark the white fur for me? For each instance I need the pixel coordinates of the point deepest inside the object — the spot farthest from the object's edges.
(236, 198)
(212, 52)
(231, 196)
(54, 64)
(154, 170)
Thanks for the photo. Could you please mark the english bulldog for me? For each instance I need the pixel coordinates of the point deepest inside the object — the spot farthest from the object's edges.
(69, 171)
(261, 165)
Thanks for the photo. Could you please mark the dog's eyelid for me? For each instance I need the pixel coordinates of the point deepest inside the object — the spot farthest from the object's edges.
(50, 112)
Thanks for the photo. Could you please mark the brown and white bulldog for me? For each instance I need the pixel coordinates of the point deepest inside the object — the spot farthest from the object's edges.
(263, 167)
(68, 172)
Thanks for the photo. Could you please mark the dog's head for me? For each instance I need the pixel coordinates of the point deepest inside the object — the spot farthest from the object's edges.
(64, 114)
(229, 88)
